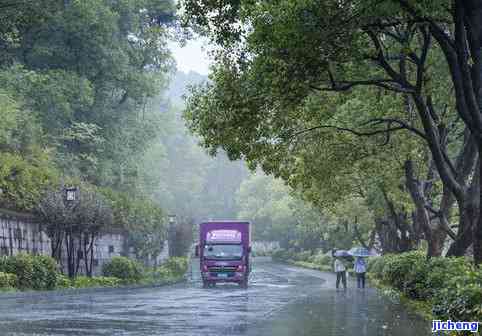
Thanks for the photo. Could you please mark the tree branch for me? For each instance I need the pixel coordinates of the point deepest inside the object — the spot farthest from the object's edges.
(341, 86)
(401, 123)
(349, 130)
(382, 61)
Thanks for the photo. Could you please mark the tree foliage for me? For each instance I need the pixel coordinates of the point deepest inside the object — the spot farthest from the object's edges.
(352, 98)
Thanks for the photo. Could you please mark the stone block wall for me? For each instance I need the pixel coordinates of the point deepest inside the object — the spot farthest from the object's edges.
(21, 233)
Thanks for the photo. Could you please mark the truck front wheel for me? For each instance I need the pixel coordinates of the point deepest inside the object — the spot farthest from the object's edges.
(208, 284)
(243, 284)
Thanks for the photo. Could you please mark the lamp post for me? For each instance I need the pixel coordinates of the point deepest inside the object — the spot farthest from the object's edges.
(71, 194)
(171, 234)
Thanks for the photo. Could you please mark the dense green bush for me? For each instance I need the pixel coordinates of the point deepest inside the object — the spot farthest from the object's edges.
(45, 273)
(318, 261)
(375, 266)
(302, 256)
(7, 280)
(321, 259)
(318, 258)
(130, 271)
(25, 271)
(444, 269)
(63, 281)
(86, 282)
(176, 265)
(32, 272)
(283, 255)
(161, 272)
(22, 266)
(172, 268)
(453, 286)
(461, 296)
(278, 255)
(408, 272)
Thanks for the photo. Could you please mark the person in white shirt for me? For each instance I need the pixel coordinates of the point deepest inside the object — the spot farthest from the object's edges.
(340, 271)
(360, 270)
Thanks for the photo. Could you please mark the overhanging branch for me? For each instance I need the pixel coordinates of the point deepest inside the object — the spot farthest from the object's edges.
(349, 130)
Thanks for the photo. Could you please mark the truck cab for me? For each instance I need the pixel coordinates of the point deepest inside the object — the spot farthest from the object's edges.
(224, 252)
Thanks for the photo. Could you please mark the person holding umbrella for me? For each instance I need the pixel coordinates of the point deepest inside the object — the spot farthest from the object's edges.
(360, 265)
(339, 268)
(360, 270)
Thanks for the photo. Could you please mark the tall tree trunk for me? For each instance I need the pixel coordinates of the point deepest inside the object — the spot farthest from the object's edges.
(434, 234)
(91, 251)
(402, 231)
(71, 255)
(472, 17)
(358, 234)
(56, 246)
(468, 217)
(478, 227)
(85, 241)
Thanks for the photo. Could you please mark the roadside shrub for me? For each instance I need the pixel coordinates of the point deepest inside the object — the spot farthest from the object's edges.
(442, 270)
(375, 266)
(283, 255)
(302, 256)
(130, 271)
(86, 282)
(407, 272)
(176, 265)
(63, 281)
(82, 282)
(45, 273)
(7, 280)
(279, 255)
(33, 272)
(22, 266)
(452, 286)
(322, 259)
(163, 273)
(460, 297)
(261, 253)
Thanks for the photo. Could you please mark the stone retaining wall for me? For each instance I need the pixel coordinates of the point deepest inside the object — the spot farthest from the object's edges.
(21, 233)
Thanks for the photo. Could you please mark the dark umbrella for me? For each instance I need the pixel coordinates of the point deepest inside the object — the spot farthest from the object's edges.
(341, 253)
(360, 252)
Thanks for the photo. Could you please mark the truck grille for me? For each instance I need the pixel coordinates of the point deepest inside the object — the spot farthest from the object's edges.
(222, 269)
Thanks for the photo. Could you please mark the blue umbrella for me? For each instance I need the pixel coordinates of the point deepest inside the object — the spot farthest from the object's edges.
(341, 253)
(360, 252)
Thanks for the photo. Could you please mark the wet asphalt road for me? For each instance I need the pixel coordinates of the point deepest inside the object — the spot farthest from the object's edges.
(281, 300)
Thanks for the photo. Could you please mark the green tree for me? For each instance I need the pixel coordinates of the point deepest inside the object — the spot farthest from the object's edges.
(293, 51)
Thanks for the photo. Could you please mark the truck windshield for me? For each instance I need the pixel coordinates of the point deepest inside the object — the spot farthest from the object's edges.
(223, 251)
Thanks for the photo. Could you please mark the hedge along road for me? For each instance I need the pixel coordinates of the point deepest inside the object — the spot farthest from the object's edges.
(281, 300)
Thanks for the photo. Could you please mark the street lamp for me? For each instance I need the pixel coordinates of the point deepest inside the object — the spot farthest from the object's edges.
(71, 194)
(172, 219)
(171, 234)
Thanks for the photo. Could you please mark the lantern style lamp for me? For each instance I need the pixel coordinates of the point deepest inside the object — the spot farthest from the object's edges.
(71, 194)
